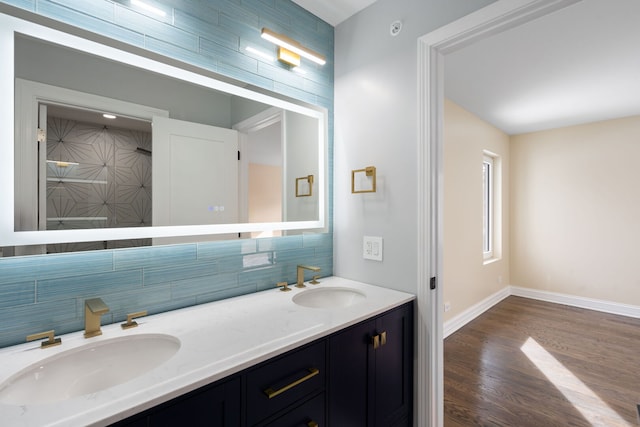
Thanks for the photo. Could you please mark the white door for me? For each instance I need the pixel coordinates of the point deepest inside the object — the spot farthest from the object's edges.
(195, 175)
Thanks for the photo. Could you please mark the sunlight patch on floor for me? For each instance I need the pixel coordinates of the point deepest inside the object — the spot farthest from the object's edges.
(592, 408)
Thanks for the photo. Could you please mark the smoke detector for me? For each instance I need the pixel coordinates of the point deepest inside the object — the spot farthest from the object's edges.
(396, 27)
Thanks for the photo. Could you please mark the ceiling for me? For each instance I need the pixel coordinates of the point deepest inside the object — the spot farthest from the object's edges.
(334, 11)
(578, 65)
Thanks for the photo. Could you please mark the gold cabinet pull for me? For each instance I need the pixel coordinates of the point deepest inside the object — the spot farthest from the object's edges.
(51, 339)
(271, 393)
(379, 340)
(130, 323)
(312, 424)
(376, 341)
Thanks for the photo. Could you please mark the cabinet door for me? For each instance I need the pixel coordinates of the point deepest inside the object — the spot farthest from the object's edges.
(218, 405)
(393, 383)
(372, 385)
(349, 361)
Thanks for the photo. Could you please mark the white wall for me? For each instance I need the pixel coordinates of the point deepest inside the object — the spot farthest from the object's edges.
(376, 125)
(575, 210)
(467, 278)
(300, 162)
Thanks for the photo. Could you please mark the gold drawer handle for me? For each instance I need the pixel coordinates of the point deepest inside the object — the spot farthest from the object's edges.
(271, 393)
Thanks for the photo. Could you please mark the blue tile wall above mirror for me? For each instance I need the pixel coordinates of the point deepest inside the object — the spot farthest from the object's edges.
(47, 291)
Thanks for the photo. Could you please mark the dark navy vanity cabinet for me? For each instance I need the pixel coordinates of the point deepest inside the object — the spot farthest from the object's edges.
(361, 376)
(371, 372)
(282, 383)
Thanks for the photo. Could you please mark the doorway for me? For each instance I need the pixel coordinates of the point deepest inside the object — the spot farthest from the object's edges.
(432, 48)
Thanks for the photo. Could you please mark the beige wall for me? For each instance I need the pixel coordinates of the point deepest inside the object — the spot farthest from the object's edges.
(575, 210)
(265, 196)
(467, 279)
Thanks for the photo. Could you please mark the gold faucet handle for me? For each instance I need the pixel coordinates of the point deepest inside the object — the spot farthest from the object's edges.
(130, 323)
(314, 279)
(51, 341)
(283, 286)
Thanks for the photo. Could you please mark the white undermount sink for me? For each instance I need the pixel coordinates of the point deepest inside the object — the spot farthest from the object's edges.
(329, 297)
(88, 369)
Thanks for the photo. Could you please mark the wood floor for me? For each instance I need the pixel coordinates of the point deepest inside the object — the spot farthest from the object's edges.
(530, 363)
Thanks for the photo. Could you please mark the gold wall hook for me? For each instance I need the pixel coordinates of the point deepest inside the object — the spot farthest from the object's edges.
(356, 175)
(303, 190)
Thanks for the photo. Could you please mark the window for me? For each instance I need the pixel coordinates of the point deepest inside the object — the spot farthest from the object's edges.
(488, 172)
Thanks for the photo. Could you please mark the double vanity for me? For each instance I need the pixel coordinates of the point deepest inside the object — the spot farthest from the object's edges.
(318, 355)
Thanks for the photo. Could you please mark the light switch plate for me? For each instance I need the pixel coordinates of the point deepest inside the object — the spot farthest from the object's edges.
(372, 248)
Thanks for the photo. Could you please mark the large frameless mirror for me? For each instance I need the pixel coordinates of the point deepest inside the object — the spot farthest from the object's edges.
(102, 148)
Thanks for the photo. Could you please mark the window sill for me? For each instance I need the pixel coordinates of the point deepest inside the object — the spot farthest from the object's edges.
(490, 260)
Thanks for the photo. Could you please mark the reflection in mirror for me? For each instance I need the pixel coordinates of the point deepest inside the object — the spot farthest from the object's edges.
(177, 153)
(98, 175)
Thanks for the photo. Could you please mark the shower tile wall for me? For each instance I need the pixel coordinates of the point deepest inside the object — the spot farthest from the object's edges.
(110, 186)
(47, 291)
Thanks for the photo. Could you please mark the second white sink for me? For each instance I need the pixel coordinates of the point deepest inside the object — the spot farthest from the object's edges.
(329, 297)
(88, 369)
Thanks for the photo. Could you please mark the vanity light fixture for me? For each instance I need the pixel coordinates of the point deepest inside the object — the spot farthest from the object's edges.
(290, 50)
(259, 53)
(288, 57)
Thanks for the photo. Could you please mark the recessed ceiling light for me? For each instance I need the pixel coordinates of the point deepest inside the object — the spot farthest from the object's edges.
(109, 116)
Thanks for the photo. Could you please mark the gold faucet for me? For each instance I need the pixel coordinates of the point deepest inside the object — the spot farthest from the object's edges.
(301, 269)
(283, 286)
(94, 308)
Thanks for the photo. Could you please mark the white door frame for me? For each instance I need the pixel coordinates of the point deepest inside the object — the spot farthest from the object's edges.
(432, 47)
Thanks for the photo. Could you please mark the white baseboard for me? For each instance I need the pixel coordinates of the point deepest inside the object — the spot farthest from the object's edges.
(457, 322)
(574, 301)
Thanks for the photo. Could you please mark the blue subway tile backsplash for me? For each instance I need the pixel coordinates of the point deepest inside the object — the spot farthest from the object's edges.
(44, 292)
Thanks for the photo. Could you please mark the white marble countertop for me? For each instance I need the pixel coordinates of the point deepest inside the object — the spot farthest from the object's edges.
(216, 340)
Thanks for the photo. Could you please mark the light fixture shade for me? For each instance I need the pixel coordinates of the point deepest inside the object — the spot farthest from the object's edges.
(293, 46)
